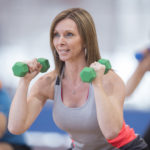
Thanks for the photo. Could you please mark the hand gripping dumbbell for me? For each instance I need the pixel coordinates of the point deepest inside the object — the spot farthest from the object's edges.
(88, 73)
(20, 69)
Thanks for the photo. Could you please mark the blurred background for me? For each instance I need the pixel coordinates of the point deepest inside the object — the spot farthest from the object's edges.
(123, 28)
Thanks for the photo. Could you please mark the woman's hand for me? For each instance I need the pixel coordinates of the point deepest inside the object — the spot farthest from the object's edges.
(34, 68)
(99, 69)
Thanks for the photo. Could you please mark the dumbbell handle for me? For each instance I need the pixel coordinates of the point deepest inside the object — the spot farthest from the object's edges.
(20, 69)
(88, 73)
(140, 56)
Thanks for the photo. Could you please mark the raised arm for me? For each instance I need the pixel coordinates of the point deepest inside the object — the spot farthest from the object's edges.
(24, 109)
(137, 75)
(109, 93)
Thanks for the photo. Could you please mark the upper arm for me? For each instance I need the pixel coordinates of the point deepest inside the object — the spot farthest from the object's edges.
(114, 88)
(3, 124)
(44, 87)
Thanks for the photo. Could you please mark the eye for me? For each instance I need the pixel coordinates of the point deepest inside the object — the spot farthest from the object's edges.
(69, 34)
(56, 34)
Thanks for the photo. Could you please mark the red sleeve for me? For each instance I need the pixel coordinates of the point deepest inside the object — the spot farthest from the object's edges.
(125, 136)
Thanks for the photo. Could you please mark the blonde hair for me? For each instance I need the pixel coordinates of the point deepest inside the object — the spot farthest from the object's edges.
(87, 31)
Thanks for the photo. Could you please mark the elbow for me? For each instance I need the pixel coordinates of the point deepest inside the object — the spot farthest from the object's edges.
(14, 129)
(113, 133)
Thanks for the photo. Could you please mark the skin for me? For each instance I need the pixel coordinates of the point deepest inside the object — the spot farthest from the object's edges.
(0, 84)
(5, 146)
(70, 48)
(2, 124)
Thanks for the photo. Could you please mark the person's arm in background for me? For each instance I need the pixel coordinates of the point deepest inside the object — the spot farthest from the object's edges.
(138, 74)
(3, 124)
(3, 120)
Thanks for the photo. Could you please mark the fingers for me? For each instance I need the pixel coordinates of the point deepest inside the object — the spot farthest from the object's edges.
(34, 66)
(98, 67)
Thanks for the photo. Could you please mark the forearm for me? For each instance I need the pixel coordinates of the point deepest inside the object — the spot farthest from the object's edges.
(19, 108)
(134, 80)
(109, 115)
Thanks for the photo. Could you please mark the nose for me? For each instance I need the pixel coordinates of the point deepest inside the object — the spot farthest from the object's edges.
(61, 40)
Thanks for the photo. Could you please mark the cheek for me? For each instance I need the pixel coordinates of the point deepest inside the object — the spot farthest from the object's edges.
(77, 44)
(54, 42)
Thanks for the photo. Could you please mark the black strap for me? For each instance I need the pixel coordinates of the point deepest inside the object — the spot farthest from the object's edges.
(57, 80)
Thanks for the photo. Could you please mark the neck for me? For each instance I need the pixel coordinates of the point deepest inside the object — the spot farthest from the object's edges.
(72, 71)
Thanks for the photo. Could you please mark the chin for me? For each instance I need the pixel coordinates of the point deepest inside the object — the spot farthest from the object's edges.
(63, 58)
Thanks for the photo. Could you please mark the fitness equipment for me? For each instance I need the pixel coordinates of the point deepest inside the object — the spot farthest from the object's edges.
(88, 73)
(20, 69)
(139, 55)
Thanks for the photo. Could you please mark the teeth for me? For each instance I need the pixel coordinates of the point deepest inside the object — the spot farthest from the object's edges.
(64, 50)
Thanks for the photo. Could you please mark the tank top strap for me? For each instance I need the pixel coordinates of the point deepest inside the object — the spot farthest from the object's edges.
(58, 79)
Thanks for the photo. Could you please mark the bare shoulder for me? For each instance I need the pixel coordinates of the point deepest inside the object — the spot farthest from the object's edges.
(114, 86)
(43, 88)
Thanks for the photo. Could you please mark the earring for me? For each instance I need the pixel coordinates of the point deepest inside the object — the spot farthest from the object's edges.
(85, 51)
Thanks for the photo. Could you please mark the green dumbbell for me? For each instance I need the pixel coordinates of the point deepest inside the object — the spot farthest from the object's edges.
(20, 69)
(88, 74)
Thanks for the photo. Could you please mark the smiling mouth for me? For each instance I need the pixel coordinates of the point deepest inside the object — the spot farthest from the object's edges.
(64, 51)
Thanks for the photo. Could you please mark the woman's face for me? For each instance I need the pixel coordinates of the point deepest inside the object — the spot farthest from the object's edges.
(67, 40)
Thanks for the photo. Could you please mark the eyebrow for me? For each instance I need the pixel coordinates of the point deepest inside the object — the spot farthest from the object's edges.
(68, 30)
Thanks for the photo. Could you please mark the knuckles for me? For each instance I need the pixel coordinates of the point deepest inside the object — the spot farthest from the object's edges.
(34, 65)
(97, 66)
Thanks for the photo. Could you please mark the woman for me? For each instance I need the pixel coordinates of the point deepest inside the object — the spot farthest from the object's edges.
(90, 113)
